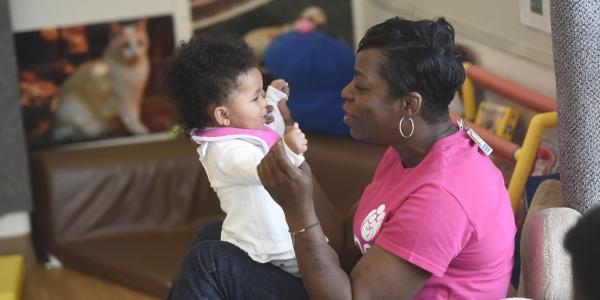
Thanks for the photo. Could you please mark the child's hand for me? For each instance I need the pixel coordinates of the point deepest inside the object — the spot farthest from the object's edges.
(295, 139)
(281, 85)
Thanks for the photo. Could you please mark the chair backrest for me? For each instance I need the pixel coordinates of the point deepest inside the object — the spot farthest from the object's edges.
(545, 265)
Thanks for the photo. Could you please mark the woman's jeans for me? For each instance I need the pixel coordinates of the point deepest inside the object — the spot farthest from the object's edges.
(213, 269)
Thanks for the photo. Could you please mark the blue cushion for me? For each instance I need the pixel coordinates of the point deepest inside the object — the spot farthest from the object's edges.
(317, 67)
(533, 182)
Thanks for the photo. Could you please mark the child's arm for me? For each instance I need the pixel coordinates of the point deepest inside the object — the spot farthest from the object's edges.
(295, 139)
(295, 144)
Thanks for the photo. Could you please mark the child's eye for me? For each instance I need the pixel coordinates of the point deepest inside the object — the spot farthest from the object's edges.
(260, 95)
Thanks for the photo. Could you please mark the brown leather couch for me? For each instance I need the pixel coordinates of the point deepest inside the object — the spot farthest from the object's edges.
(127, 213)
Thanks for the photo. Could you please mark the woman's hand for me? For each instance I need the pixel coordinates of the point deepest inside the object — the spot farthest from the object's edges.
(281, 85)
(288, 120)
(269, 117)
(289, 186)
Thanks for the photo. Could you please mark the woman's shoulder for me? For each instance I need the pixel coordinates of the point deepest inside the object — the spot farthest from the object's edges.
(477, 184)
(457, 156)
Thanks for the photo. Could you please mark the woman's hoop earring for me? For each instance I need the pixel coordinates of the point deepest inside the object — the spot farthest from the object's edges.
(412, 129)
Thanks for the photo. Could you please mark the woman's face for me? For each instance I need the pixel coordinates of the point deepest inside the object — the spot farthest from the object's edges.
(371, 113)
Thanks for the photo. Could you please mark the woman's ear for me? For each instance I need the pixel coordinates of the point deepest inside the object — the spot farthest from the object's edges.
(221, 116)
(412, 104)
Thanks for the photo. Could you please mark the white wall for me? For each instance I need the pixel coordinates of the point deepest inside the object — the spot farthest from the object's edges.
(14, 224)
(536, 76)
(28, 15)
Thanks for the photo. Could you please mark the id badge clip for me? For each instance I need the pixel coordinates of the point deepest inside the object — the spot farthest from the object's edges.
(487, 150)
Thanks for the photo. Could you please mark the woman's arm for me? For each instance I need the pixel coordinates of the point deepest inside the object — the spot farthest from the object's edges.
(335, 225)
(377, 275)
(350, 253)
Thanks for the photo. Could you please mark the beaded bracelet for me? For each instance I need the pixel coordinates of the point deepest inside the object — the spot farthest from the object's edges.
(297, 232)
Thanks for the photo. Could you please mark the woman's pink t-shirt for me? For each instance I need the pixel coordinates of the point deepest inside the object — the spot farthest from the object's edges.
(450, 215)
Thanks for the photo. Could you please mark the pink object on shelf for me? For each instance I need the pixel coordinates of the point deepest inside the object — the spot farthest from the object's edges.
(304, 26)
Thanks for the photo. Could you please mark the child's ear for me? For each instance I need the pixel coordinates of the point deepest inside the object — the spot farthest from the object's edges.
(221, 115)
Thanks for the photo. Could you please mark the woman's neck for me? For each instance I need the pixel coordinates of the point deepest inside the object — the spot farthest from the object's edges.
(413, 150)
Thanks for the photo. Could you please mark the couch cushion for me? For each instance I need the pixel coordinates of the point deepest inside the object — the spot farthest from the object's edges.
(146, 260)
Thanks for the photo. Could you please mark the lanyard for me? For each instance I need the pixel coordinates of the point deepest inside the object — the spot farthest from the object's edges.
(476, 138)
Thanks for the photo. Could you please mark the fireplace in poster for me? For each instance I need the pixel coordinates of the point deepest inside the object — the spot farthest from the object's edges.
(94, 81)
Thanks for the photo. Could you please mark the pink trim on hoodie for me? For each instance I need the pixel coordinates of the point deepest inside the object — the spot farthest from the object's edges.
(265, 133)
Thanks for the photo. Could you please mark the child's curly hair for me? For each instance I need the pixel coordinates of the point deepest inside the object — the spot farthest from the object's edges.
(204, 72)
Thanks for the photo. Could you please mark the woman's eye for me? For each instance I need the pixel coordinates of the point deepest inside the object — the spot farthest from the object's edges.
(359, 88)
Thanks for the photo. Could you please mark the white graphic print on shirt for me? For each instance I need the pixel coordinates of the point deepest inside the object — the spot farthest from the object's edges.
(370, 226)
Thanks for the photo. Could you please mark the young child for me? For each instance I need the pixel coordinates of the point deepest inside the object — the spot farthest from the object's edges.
(219, 96)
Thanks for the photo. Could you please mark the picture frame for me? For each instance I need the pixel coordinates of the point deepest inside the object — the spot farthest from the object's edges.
(65, 16)
(205, 13)
(28, 15)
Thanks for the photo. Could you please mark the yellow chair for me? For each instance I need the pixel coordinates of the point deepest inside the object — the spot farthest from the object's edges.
(11, 277)
(525, 156)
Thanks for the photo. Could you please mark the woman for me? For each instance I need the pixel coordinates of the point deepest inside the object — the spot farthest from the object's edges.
(435, 222)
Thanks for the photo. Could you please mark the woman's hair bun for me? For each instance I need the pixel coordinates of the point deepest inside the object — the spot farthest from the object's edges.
(441, 36)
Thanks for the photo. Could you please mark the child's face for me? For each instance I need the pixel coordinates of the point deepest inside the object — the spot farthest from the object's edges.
(247, 106)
